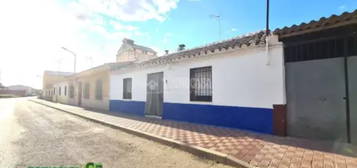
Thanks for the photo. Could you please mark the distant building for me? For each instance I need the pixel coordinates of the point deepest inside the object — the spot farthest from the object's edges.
(49, 79)
(129, 51)
(18, 91)
(28, 90)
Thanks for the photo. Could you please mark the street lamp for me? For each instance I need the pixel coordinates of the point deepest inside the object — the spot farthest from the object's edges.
(74, 55)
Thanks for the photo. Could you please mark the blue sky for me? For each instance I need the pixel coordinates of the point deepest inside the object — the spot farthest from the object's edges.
(190, 22)
(33, 32)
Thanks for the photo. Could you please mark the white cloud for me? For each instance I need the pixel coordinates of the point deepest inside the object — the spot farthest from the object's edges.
(33, 32)
(120, 27)
(342, 7)
(127, 10)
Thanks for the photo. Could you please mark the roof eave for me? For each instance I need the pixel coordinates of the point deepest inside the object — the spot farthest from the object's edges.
(298, 33)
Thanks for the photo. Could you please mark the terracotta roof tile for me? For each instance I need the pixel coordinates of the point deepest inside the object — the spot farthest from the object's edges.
(237, 42)
(346, 18)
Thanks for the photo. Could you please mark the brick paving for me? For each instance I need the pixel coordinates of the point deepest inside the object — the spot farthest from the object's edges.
(258, 150)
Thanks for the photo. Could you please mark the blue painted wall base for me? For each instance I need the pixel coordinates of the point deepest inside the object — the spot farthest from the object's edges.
(129, 107)
(255, 119)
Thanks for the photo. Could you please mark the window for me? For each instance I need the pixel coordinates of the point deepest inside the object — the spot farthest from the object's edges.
(65, 90)
(127, 88)
(59, 91)
(71, 91)
(86, 91)
(99, 90)
(201, 84)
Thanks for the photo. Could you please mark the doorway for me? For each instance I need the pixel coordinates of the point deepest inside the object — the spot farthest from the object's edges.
(154, 94)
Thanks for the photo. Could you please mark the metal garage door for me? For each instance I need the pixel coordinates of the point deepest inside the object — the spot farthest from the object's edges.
(316, 99)
(321, 85)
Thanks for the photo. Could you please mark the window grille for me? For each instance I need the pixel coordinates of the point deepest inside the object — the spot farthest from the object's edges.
(127, 86)
(201, 84)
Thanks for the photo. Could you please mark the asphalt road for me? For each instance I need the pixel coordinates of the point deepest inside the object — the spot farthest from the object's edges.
(35, 135)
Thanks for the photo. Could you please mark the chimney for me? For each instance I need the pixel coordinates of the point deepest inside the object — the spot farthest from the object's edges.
(166, 52)
(181, 47)
(128, 41)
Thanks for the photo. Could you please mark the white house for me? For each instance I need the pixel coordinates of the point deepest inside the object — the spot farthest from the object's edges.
(233, 83)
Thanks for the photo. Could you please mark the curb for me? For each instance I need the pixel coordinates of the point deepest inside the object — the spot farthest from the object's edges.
(195, 150)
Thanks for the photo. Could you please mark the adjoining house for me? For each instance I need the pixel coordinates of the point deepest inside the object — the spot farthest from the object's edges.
(90, 88)
(298, 81)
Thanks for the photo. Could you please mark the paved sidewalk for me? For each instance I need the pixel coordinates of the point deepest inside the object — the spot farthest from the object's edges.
(248, 148)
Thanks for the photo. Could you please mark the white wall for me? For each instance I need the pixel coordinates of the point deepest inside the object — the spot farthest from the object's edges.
(63, 98)
(239, 78)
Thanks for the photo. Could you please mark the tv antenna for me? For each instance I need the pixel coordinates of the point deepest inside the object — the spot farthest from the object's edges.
(218, 18)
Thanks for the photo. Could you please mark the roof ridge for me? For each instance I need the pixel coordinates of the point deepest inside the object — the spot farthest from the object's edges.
(317, 23)
(250, 34)
(241, 41)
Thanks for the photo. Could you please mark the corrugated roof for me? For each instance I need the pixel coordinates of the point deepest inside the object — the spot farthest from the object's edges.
(322, 24)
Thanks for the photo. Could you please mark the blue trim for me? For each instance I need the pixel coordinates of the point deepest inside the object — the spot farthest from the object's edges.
(249, 118)
(129, 107)
(255, 119)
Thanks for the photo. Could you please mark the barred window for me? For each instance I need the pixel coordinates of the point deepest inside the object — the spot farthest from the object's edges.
(127, 88)
(86, 91)
(99, 90)
(201, 84)
(71, 91)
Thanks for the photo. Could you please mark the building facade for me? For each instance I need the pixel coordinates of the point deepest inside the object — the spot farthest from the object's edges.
(234, 83)
(298, 81)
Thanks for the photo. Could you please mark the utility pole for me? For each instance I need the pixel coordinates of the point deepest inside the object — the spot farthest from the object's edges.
(74, 56)
(267, 31)
(218, 18)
